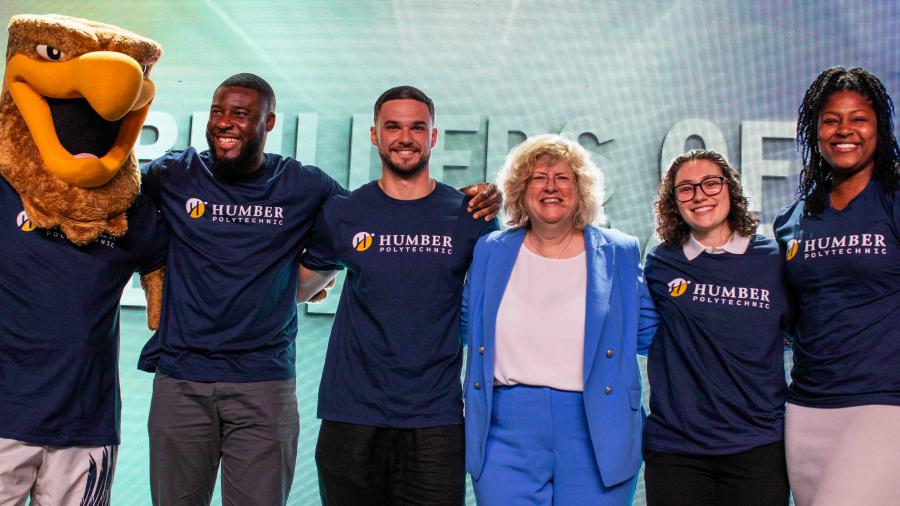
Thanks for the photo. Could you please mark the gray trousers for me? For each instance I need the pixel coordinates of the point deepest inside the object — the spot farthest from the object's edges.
(252, 428)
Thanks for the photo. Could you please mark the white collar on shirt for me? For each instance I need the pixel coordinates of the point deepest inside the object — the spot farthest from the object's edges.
(736, 245)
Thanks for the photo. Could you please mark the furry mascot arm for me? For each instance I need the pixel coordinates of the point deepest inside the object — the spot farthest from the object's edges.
(152, 283)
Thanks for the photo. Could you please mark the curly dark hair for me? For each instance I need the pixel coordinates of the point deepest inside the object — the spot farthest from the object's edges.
(816, 177)
(672, 228)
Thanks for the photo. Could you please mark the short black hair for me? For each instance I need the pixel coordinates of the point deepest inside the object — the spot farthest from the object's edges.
(251, 82)
(404, 92)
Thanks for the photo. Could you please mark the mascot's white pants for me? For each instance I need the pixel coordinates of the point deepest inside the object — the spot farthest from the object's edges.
(55, 476)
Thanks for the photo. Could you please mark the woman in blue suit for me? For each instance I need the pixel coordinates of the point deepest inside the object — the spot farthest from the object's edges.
(555, 312)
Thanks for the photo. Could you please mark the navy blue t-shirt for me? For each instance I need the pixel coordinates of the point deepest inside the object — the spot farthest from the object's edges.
(229, 310)
(59, 333)
(394, 357)
(716, 365)
(843, 268)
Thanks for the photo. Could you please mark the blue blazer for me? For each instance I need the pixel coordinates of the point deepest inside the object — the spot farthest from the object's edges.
(619, 324)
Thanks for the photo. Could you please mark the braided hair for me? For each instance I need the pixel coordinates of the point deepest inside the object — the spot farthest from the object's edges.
(816, 176)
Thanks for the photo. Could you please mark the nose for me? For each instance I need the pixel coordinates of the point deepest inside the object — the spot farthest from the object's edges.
(843, 128)
(224, 121)
(699, 196)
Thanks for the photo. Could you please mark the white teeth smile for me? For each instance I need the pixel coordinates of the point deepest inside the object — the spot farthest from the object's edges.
(227, 141)
(844, 147)
(551, 200)
(702, 210)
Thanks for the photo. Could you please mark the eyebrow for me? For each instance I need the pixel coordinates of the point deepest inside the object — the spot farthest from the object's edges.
(677, 183)
(832, 111)
(393, 122)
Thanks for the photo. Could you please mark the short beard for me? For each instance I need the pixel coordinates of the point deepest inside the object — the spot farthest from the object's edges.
(239, 167)
(407, 173)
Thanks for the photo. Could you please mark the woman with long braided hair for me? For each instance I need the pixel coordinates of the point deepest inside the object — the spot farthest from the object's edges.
(841, 241)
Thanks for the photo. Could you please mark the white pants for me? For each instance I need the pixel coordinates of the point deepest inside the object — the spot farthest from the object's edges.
(55, 476)
(844, 456)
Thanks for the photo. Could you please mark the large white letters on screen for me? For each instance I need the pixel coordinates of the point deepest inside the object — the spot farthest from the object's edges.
(499, 130)
(673, 145)
(360, 150)
(440, 156)
(307, 137)
(753, 166)
(163, 124)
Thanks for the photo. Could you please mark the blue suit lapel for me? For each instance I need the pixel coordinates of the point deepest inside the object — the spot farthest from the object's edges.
(600, 266)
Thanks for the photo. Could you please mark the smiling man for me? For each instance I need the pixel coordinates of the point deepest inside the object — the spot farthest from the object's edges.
(237, 127)
(224, 352)
(390, 397)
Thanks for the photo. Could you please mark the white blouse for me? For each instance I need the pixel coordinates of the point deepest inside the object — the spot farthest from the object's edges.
(540, 323)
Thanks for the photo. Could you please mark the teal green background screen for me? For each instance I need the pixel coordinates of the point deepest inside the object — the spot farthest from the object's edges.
(635, 82)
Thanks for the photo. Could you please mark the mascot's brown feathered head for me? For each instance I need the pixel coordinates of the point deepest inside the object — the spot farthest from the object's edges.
(74, 98)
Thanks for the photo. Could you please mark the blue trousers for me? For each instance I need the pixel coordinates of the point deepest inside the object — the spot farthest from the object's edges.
(538, 452)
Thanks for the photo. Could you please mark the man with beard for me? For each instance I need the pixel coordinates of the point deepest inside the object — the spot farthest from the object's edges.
(225, 350)
(390, 399)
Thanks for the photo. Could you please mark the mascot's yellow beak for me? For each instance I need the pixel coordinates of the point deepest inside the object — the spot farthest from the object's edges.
(107, 85)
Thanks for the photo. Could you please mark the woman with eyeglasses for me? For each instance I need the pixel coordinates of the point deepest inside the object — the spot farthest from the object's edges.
(555, 311)
(841, 242)
(715, 434)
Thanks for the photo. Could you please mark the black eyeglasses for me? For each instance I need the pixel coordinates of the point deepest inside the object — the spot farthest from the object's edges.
(710, 185)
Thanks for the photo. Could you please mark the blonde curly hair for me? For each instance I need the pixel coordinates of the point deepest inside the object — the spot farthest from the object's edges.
(516, 172)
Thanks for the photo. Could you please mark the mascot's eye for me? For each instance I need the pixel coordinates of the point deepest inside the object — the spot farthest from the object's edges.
(48, 52)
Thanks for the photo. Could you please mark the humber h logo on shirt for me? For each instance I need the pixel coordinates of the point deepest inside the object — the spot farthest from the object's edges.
(24, 224)
(362, 241)
(195, 208)
(850, 244)
(254, 214)
(677, 287)
(404, 243)
(792, 246)
(708, 293)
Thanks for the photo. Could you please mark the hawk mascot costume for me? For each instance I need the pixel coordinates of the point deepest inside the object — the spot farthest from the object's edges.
(73, 229)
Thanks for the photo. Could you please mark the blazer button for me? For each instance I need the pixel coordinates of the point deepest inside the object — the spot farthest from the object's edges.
(609, 353)
(481, 350)
(608, 390)
(478, 386)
